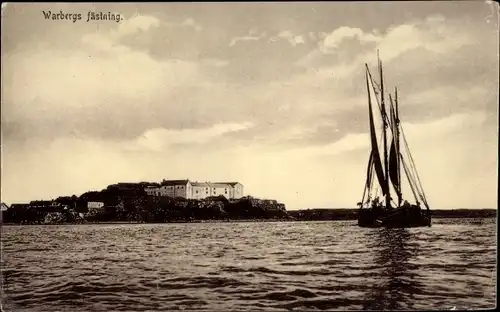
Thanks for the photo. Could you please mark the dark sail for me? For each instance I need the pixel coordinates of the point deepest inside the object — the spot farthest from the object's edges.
(393, 154)
(393, 168)
(375, 153)
(369, 171)
(368, 178)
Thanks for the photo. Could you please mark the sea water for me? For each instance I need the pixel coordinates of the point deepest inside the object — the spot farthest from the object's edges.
(272, 266)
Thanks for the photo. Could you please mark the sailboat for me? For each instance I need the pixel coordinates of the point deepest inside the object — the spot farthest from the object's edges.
(378, 206)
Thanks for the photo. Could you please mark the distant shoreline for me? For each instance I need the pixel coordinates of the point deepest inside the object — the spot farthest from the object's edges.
(352, 214)
(298, 216)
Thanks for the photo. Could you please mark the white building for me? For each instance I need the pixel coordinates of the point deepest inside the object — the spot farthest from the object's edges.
(4, 207)
(200, 190)
(196, 190)
(171, 188)
(94, 207)
(236, 189)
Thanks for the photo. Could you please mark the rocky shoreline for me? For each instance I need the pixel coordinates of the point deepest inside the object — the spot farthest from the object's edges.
(148, 209)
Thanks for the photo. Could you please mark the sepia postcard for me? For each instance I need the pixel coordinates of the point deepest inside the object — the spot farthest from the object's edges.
(249, 156)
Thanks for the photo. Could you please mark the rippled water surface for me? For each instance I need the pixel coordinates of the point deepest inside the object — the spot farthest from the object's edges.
(249, 266)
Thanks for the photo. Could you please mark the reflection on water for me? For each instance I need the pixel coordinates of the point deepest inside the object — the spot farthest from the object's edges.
(398, 278)
(302, 266)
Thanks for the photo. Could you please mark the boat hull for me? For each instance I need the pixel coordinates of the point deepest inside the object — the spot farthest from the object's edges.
(394, 218)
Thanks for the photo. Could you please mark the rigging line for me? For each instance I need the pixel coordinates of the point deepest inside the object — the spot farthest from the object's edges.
(374, 83)
(412, 180)
(407, 175)
(372, 177)
(407, 148)
(369, 186)
(368, 196)
(376, 94)
(413, 183)
(369, 181)
(375, 189)
(424, 199)
(410, 176)
(363, 197)
(370, 189)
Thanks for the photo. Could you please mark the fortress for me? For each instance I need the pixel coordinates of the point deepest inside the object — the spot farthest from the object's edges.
(196, 190)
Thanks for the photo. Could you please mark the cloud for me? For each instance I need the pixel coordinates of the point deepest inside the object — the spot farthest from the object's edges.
(270, 46)
(251, 37)
(159, 139)
(442, 100)
(349, 48)
(348, 143)
(119, 92)
(109, 41)
(148, 34)
(152, 89)
(434, 34)
(81, 80)
(332, 41)
(134, 25)
(418, 134)
(312, 36)
(443, 126)
(191, 22)
(289, 36)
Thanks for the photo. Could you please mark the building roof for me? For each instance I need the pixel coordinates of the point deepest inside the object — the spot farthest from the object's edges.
(174, 182)
(204, 184)
(218, 184)
(198, 184)
(230, 183)
(126, 186)
(149, 184)
(42, 202)
(210, 184)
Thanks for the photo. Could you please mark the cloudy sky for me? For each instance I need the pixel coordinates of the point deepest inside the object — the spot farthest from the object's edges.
(271, 95)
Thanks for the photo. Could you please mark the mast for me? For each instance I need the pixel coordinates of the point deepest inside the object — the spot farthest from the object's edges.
(400, 193)
(384, 119)
(377, 163)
